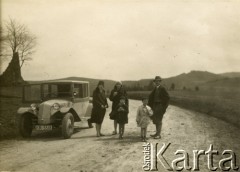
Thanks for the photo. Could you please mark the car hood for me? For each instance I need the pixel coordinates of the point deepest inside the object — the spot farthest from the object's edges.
(59, 101)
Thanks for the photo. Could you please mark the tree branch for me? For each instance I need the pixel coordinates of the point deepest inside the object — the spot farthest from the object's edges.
(18, 39)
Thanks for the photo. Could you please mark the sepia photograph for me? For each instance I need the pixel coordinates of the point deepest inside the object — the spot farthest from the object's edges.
(119, 86)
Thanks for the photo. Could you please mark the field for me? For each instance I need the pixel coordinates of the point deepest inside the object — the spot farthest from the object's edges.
(223, 104)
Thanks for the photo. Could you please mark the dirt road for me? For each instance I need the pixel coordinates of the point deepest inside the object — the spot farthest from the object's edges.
(184, 129)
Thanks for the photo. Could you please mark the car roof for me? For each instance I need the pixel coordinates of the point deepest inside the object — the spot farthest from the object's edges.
(58, 81)
(66, 81)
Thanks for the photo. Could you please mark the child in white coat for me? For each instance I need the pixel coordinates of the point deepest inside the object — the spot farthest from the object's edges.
(143, 117)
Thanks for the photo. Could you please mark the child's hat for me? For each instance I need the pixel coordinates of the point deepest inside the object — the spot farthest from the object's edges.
(122, 97)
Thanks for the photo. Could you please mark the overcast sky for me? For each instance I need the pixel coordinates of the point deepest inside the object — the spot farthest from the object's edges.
(127, 40)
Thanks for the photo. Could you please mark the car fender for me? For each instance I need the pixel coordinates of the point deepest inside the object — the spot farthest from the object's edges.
(65, 110)
(23, 110)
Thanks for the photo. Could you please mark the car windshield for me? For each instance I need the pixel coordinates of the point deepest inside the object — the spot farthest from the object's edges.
(54, 90)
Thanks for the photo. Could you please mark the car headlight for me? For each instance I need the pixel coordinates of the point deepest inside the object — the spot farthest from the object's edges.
(56, 106)
(33, 106)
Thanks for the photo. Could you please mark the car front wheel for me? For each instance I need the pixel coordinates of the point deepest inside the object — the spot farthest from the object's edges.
(67, 126)
(25, 125)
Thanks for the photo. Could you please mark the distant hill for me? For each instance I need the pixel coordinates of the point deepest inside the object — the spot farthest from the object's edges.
(188, 80)
(231, 74)
(191, 79)
(226, 83)
(142, 83)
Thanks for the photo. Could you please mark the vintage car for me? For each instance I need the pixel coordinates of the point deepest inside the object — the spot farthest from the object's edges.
(54, 104)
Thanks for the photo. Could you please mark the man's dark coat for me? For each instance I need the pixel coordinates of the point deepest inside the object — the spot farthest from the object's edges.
(164, 101)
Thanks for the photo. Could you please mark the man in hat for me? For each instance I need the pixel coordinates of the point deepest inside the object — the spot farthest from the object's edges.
(158, 101)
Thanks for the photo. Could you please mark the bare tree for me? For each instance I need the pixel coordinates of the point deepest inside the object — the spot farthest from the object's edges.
(1, 41)
(17, 39)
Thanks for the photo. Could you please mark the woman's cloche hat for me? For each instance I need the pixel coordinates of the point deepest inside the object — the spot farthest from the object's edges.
(101, 83)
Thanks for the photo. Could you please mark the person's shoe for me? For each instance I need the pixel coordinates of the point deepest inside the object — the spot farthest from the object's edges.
(114, 133)
(153, 135)
(157, 137)
(102, 134)
(143, 140)
(89, 124)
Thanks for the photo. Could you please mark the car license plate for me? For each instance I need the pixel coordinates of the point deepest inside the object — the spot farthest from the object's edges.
(43, 127)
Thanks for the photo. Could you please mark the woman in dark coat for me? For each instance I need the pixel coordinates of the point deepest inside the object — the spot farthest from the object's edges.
(117, 92)
(99, 107)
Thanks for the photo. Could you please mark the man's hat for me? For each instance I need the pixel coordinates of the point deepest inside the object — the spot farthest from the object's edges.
(157, 78)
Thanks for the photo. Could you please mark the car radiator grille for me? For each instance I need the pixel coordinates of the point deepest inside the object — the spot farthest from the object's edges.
(44, 114)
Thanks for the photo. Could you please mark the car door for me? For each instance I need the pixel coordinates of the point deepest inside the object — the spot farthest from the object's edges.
(81, 98)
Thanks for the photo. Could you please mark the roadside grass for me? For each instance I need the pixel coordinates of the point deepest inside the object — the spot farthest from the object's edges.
(10, 101)
(8, 120)
(218, 103)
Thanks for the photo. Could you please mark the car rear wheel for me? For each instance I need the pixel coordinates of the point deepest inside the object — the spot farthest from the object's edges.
(25, 125)
(67, 126)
